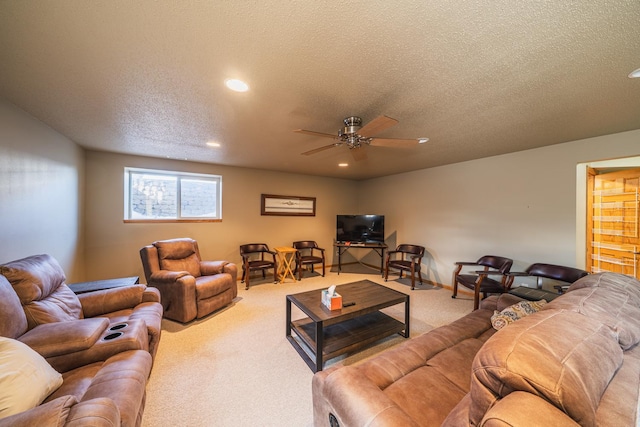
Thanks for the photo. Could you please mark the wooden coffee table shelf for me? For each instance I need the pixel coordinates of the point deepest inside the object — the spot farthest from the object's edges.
(326, 334)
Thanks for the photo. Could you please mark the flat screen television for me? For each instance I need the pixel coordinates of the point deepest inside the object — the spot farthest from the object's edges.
(360, 228)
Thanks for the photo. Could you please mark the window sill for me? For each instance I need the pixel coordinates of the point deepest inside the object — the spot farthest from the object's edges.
(156, 221)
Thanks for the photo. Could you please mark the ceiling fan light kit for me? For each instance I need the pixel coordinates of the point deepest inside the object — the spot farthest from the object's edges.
(356, 137)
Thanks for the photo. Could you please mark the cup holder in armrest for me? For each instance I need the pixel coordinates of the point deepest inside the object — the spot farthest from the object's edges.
(113, 336)
(118, 326)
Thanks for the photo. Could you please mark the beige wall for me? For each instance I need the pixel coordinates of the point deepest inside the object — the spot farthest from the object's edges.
(520, 205)
(59, 199)
(112, 246)
(41, 178)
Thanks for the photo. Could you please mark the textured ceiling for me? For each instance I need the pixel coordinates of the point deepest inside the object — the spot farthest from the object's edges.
(479, 78)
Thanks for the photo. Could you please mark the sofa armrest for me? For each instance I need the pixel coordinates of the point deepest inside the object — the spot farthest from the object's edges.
(210, 268)
(178, 291)
(98, 412)
(524, 409)
(353, 399)
(499, 302)
(166, 277)
(151, 294)
(50, 414)
(61, 338)
(99, 303)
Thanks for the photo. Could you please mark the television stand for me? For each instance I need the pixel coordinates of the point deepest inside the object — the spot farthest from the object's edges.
(343, 247)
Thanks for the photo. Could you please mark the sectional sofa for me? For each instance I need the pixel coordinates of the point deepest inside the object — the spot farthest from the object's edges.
(73, 360)
(574, 361)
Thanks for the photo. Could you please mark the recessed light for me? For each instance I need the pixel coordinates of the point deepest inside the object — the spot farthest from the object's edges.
(213, 144)
(236, 85)
(422, 140)
(635, 74)
(343, 165)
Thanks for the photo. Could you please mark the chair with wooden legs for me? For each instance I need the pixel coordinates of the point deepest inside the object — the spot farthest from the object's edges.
(257, 256)
(308, 254)
(479, 280)
(556, 273)
(405, 258)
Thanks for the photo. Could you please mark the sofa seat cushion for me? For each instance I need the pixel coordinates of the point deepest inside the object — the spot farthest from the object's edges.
(548, 354)
(615, 309)
(395, 363)
(210, 286)
(425, 395)
(454, 363)
(26, 378)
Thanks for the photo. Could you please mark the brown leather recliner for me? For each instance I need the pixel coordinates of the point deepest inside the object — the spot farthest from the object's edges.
(190, 288)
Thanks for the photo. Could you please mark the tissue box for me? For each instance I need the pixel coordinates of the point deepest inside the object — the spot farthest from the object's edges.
(331, 302)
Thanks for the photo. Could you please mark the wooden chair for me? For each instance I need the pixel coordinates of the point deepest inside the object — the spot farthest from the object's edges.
(310, 254)
(257, 256)
(405, 258)
(554, 272)
(480, 281)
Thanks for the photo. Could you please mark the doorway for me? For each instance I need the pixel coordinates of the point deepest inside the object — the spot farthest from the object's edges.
(612, 221)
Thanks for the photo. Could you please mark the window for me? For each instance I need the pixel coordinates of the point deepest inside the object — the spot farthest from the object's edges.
(155, 195)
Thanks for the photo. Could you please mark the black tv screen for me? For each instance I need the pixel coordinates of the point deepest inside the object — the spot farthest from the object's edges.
(360, 228)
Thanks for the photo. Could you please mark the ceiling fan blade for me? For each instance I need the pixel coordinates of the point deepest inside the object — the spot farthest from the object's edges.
(393, 142)
(317, 150)
(310, 132)
(358, 154)
(377, 125)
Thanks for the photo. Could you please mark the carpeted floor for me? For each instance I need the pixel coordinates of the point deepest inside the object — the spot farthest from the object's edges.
(236, 368)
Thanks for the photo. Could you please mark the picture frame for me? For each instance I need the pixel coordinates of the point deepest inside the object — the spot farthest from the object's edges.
(272, 204)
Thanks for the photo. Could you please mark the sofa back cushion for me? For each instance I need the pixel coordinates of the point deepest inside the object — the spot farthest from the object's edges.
(562, 356)
(179, 255)
(13, 321)
(615, 282)
(39, 282)
(615, 309)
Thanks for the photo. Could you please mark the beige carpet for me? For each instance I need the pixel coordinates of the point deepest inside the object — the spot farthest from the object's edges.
(236, 368)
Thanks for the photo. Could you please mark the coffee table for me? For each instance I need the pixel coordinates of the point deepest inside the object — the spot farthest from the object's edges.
(325, 333)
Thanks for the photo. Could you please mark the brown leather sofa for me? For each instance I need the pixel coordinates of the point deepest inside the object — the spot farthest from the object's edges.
(102, 343)
(575, 362)
(190, 288)
(40, 284)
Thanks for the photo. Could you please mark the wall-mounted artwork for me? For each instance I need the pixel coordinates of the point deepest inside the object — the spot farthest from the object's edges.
(287, 205)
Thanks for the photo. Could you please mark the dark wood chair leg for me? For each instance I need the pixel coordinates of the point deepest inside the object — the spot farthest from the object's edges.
(413, 277)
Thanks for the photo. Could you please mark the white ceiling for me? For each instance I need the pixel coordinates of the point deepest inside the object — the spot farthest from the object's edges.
(478, 77)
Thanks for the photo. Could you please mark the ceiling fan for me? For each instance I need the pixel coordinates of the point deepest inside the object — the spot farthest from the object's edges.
(356, 137)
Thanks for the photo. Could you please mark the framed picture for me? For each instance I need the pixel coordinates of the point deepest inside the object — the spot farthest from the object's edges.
(287, 205)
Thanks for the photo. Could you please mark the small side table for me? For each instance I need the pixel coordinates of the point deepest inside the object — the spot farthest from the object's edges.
(286, 255)
(99, 285)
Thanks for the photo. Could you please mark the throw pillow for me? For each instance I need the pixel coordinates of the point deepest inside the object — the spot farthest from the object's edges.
(26, 379)
(500, 319)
